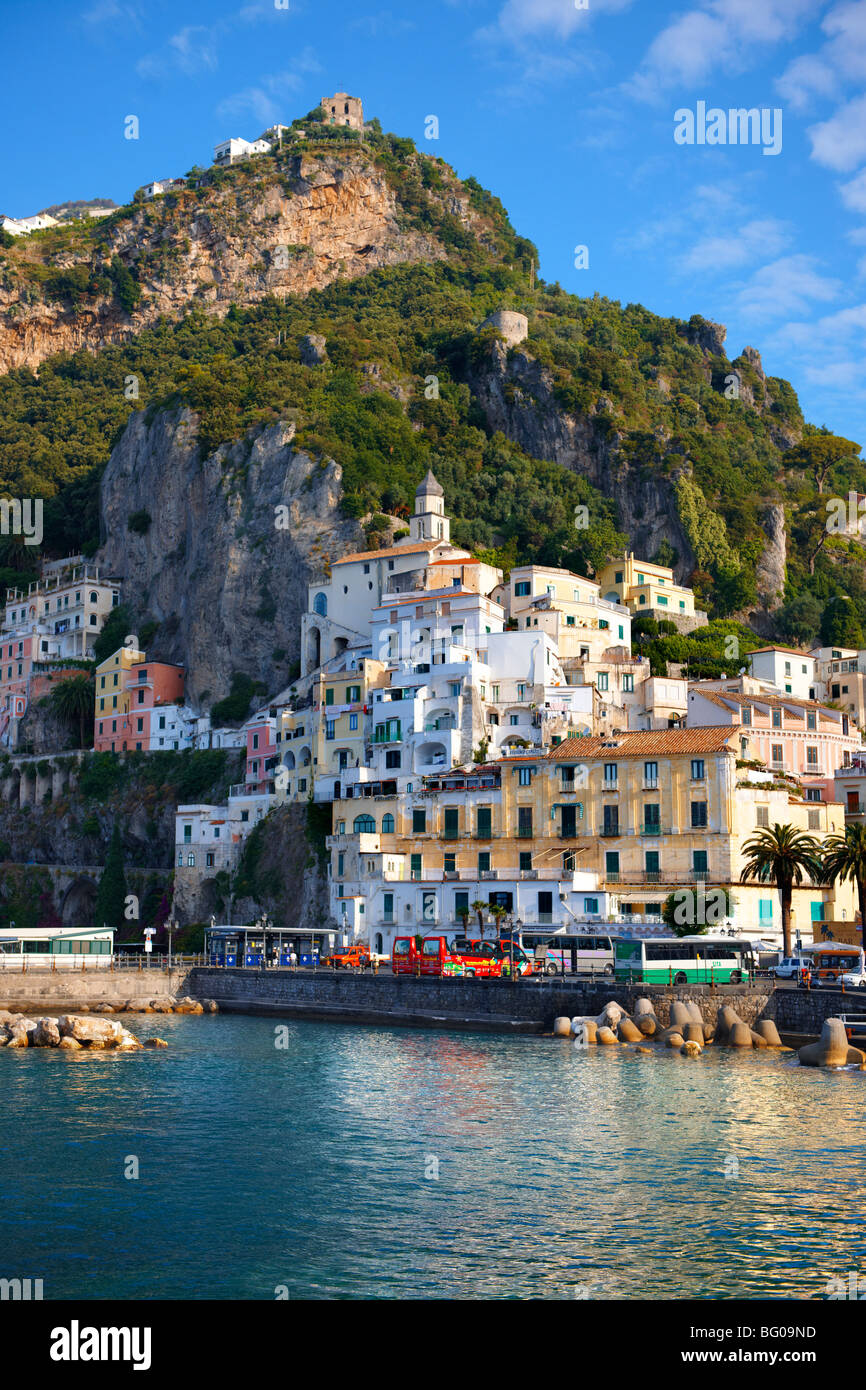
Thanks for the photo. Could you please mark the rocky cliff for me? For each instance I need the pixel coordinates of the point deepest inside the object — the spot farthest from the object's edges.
(219, 567)
(264, 228)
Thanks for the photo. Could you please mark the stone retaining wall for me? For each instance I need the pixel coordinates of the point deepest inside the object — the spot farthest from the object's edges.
(524, 1006)
(71, 988)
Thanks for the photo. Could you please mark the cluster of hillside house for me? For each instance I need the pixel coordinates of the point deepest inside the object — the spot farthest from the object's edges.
(496, 742)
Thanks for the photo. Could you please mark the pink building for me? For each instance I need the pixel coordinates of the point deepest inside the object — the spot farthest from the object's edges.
(262, 754)
(150, 692)
(800, 737)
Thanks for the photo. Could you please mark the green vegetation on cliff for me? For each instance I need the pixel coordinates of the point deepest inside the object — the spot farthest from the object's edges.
(393, 398)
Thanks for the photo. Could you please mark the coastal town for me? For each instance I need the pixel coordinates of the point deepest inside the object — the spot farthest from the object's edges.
(493, 748)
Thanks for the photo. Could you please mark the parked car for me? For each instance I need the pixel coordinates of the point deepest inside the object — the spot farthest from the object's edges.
(853, 979)
(791, 967)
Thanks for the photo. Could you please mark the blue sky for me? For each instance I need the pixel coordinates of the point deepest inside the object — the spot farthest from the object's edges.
(566, 113)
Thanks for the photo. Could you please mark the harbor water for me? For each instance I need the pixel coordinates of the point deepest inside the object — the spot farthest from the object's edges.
(303, 1160)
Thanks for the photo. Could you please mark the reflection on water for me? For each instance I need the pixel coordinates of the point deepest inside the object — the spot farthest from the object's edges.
(563, 1172)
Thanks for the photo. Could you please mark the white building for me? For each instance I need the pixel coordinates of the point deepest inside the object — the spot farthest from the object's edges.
(792, 672)
(232, 150)
(153, 190)
(22, 226)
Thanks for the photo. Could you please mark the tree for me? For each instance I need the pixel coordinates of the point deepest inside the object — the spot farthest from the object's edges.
(840, 625)
(74, 701)
(497, 912)
(480, 906)
(800, 619)
(690, 913)
(111, 893)
(819, 453)
(782, 855)
(845, 859)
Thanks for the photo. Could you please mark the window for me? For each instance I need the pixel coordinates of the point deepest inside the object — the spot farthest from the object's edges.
(139, 726)
(602, 680)
(777, 719)
(208, 859)
(603, 624)
(388, 824)
(747, 715)
(450, 863)
(521, 692)
(765, 910)
(484, 861)
(415, 868)
(388, 907)
(763, 815)
(698, 770)
(320, 605)
(393, 758)
(451, 827)
(461, 903)
(329, 700)
(590, 906)
(651, 774)
(545, 907)
(817, 912)
(190, 860)
(777, 753)
(187, 834)
(419, 821)
(611, 863)
(522, 589)
(617, 578)
(364, 825)
(353, 723)
(513, 719)
(651, 817)
(628, 684)
(524, 776)
(330, 730)
(524, 822)
(610, 773)
(814, 820)
(811, 755)
(699, 815)
(700, 861)
(611, 820)
(662, 602)
(483, 822)
(525, 858)
(353, 695)
(494, 694)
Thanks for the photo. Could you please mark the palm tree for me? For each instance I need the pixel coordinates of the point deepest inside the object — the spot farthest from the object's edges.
(497, 912)
(845, 858)
(480, 907)
(782, 855)
(75, 699)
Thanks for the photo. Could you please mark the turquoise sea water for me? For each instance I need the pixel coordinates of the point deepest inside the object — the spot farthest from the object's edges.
(562, 1173)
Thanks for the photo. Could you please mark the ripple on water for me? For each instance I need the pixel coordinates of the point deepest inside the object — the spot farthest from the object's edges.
(560, 1170)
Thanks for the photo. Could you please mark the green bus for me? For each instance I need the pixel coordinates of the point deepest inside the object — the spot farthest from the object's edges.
(684, 960)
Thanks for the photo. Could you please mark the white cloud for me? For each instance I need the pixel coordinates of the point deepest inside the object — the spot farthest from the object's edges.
(854, 193)
(840, 142)
(520, 18)
(190, 50)
(785, 286)
(718, 34)
(841, 59)
(761, 237)
(265, 102)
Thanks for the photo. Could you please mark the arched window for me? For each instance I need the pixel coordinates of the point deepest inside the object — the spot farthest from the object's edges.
(180, 858)
(388, 824)
(364, 825)
(320, 605)
(190, 859)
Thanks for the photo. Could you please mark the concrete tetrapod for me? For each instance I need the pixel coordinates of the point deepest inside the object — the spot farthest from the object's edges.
(740, 1035)
(769, 1032)
(725, 1020)
(680, 1015)
(628, 1032)
(562, 1027)
(674, 1039)
(832, 1048)
(691, 1048)
(584, 1030)
(607, 1037)
(610, 1014)
(694, 1032)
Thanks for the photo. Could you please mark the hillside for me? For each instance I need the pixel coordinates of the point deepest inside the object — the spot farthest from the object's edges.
(177, 325)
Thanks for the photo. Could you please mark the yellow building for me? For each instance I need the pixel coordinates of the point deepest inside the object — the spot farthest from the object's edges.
(112, 700)
(665, 810)
(341, 703)
(646, 588)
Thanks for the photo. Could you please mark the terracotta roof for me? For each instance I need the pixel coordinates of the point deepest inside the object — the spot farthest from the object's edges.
(661, 742)
(415, 548)
(718, 697)
(461, 560)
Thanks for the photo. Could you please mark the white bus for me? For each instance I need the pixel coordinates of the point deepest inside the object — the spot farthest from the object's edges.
(570, 953)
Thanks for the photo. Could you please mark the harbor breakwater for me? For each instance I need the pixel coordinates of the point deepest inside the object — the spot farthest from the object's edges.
(525, 1006)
